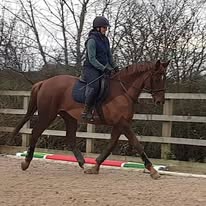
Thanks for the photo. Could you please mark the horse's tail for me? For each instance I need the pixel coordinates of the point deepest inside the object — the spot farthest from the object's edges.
(32, 108)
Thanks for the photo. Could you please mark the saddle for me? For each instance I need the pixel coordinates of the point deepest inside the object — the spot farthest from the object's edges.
(79, 93)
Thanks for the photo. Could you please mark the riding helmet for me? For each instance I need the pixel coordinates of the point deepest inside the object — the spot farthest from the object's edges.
(100, 21)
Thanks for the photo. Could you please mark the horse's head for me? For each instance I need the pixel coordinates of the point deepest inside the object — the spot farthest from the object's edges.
(154, 82)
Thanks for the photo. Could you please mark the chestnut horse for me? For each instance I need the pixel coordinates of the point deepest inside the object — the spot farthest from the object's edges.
(54, 96)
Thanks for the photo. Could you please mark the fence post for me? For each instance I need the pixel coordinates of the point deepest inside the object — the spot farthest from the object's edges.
(25, 137)
(90, 142)
(167, 129)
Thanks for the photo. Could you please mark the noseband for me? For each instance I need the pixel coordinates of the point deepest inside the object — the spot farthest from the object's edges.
(153, 91)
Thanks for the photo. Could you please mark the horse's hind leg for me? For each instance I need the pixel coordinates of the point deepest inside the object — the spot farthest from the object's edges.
(71, 128)
(38, 129)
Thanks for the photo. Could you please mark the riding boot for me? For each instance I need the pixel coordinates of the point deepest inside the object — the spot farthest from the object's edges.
(87, 113)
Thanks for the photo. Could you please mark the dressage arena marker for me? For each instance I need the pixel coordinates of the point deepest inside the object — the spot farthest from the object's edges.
(110, 164)
(70, 158)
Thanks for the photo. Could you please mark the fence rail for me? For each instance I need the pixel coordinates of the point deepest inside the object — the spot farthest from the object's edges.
(167, 118)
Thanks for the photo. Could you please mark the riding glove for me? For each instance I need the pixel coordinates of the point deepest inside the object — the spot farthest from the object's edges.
(108, 69)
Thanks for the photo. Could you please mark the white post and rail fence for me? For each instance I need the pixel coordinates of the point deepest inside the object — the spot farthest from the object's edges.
(167, 118)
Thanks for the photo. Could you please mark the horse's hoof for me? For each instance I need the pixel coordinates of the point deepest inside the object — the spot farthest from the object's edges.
(91, 171)
(81, 164)
(155, 175)
(24, 165)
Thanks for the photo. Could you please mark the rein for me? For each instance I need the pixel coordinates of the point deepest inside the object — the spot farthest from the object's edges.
(148, 90)
(125, 89)
(123, 86)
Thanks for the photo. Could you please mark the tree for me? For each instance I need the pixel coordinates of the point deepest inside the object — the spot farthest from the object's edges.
(13, 51)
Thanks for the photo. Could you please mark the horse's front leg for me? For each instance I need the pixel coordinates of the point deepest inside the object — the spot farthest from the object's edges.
(134, 142)
(115, 134)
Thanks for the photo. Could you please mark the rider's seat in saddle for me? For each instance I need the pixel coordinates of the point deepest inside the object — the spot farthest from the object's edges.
(79, 91)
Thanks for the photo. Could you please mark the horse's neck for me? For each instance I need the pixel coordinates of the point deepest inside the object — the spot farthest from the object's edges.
(134, 84)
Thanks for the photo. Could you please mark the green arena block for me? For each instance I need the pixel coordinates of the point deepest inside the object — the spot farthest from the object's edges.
(133, 165)
(141, 166)
(36, 154)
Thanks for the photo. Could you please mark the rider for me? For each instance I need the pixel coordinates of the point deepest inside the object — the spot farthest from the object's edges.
(98, 61)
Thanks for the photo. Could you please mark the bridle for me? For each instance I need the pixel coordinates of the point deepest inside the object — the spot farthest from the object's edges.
(148, 90)
(151, 90)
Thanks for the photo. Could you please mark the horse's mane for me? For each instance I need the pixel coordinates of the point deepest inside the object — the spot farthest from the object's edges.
(136, 68)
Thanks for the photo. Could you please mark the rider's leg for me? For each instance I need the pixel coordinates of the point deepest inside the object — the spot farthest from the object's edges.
(92, 90)
(89, 102)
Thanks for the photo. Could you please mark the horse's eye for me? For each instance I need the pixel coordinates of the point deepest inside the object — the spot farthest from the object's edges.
(160, 78)
(163, 77)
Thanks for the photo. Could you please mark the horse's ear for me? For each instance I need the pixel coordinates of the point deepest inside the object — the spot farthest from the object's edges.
(157, 64)
(165, 64)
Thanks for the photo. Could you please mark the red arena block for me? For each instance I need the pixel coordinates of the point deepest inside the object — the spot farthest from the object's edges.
(87, 160)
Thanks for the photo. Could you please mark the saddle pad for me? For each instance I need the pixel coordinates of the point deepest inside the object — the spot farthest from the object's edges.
(79, 89)
(78, 92)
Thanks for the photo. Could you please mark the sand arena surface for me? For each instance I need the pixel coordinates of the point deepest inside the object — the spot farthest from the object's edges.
(56, 184)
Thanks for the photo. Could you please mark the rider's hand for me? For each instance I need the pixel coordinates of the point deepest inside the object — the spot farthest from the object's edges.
(108, 69)
(116, 69)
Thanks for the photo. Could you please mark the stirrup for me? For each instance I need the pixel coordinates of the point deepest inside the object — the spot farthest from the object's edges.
(87, 116)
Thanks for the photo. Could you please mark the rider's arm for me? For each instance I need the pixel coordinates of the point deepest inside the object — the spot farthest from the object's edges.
(111, 61)
(91, 49)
